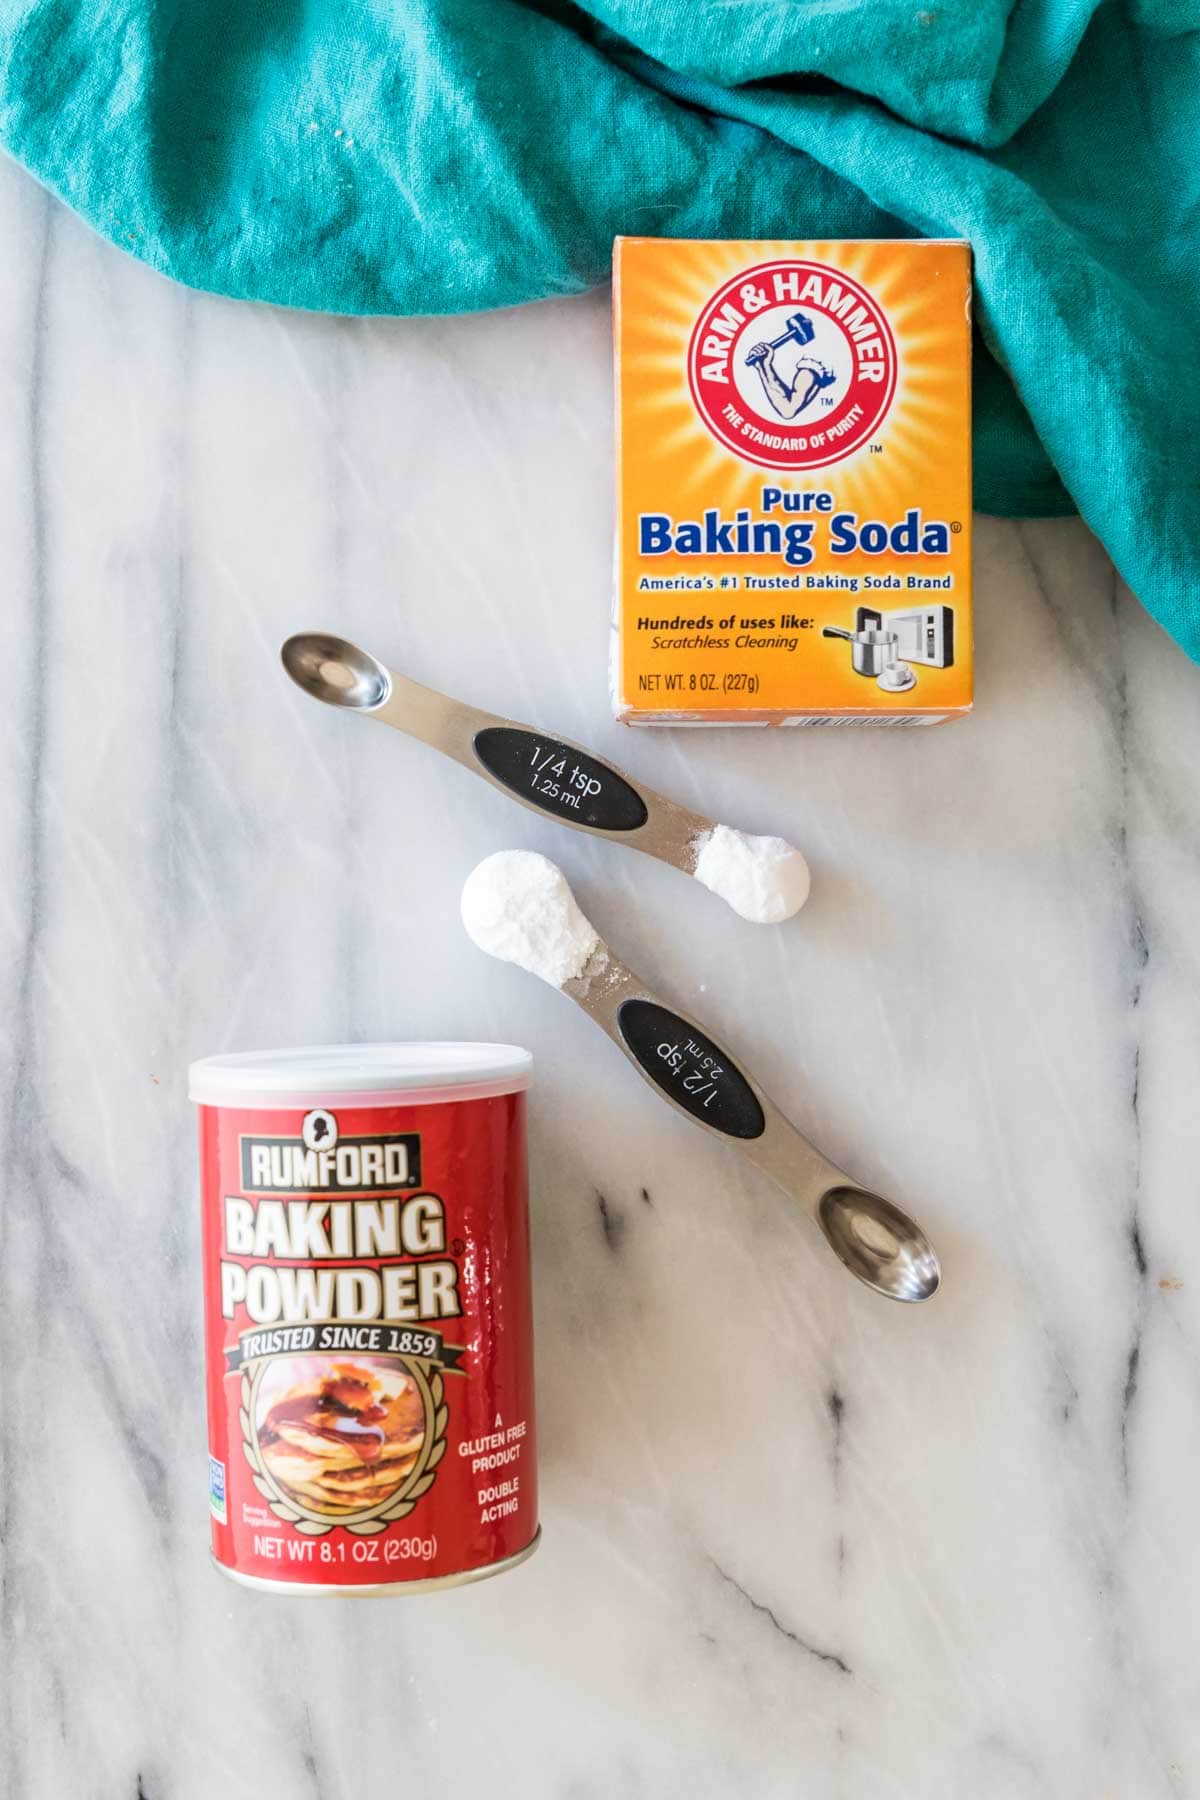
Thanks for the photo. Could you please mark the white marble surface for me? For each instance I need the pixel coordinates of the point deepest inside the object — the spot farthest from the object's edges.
(798, 1542)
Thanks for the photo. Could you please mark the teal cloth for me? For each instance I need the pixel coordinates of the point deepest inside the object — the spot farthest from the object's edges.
(433, 156)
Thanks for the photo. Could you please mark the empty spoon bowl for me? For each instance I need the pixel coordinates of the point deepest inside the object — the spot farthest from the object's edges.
(879, 1243)
(336, 671)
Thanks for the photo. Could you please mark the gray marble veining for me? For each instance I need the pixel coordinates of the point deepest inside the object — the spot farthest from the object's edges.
(798, 1542)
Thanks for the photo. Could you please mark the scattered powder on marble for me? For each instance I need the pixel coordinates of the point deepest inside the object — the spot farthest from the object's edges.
(762, 878)
(517, 906)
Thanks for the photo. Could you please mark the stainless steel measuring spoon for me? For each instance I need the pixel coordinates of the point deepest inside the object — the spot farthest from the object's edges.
(547, 774)
(871, 1237)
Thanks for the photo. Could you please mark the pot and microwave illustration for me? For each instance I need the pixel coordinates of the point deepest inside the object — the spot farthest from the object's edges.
(884, 645)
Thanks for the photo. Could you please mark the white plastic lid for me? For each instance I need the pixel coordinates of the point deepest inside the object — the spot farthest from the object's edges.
(376, 1074)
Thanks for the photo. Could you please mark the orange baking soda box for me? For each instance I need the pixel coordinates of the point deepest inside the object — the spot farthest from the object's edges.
(793, 482)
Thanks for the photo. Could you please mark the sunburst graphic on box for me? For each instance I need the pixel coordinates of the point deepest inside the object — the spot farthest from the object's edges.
(885, 471)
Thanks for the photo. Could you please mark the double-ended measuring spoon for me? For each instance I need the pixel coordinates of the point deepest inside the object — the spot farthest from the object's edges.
(762, 878)
(517, 906)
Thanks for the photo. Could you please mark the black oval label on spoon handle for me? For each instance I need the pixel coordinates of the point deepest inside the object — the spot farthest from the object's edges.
(561, 780)
(691, 1069)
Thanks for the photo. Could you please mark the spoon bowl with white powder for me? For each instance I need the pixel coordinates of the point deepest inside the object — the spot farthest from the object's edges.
(518, 906)
(764, 879)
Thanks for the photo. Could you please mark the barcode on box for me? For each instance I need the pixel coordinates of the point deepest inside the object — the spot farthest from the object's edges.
(871, 720)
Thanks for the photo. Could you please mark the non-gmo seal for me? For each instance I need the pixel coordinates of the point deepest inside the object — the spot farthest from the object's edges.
(792, 365)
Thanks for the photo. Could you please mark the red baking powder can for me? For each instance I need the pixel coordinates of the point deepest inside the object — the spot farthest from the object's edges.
(367, 1315)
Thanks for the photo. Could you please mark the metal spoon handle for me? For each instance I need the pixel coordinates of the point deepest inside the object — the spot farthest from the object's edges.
(698, 1077)
(546, 774)
(874, 1240)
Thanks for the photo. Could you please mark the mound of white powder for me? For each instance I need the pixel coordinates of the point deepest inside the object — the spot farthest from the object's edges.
(762, 878)
(517, 906)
